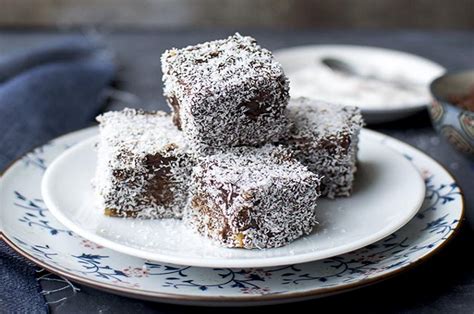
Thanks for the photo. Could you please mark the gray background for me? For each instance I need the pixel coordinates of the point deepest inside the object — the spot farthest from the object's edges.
(126, 14)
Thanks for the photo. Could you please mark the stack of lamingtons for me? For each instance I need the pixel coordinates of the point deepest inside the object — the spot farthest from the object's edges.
(238, 161)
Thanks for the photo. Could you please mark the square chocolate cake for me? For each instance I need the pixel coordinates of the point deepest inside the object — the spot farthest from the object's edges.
(252, 198)
(226, 93)
(324, 138)
(143, 165)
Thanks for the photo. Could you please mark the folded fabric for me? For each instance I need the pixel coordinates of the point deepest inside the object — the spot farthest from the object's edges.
(44, 92)
(57, 93)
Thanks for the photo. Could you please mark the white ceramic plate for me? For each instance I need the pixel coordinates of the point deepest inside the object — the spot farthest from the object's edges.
(299, 62)
(388, 193)
(30, 229)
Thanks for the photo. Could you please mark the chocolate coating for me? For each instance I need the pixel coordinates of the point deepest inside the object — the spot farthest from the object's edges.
(226, 93)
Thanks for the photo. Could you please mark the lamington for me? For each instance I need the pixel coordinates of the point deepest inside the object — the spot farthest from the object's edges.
(252, 198)
(143, 166)
(226, 93)
(324, 138)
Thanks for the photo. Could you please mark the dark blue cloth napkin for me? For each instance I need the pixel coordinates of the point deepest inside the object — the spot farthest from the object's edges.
(44, 92)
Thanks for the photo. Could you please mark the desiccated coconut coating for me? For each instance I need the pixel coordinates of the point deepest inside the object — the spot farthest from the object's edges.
(252, 198)
(143, 165)
(225, 93)
(324, 138)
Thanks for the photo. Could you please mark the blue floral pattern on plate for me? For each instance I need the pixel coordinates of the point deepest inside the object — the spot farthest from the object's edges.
(30, 227)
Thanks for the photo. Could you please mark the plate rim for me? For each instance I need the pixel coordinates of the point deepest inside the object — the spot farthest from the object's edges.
(305, 257)
(179, 298)
(379, 109)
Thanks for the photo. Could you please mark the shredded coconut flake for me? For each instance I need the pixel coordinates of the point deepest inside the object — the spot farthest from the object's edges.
(228, 92)
(143, 165)
(324, 137)
(253, 198)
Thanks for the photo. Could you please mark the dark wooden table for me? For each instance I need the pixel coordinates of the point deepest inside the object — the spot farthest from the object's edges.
(443, 284)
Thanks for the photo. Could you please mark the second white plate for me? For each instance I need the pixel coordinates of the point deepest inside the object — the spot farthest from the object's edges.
(388, 193)
(309, 78)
